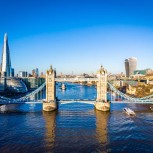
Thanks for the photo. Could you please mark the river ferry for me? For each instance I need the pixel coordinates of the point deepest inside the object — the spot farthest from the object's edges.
(129, 111)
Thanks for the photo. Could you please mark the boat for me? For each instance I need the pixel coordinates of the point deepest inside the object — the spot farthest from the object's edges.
(63, 87)
(129, 111)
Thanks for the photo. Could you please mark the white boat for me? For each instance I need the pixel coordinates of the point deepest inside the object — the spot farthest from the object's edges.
(129, 111)
(63, 86)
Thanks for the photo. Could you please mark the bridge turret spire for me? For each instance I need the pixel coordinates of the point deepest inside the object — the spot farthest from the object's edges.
(51, 69)
(101, 70)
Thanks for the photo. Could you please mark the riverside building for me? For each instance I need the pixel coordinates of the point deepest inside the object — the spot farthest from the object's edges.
(8, 83)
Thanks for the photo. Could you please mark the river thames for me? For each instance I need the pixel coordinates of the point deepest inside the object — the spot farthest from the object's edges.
(75, 127)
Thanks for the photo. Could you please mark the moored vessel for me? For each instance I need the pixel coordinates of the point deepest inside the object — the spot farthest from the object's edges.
(63, 87)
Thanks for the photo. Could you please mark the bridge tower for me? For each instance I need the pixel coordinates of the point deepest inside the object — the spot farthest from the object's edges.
(101, 101)
(50, 104)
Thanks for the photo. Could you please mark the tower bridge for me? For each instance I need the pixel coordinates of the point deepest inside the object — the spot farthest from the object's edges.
(100, 103)
(51, 102)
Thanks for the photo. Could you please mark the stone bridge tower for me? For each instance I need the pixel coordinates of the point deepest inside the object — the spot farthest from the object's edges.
(50, 104)
(101, 101)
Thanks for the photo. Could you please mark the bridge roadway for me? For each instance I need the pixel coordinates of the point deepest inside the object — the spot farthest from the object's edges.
(75, 79)
(64, 101)
(86, 101)
(92, 101)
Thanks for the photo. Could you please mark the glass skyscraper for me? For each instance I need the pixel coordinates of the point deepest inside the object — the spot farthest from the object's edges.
(6, 59)
(130, 66)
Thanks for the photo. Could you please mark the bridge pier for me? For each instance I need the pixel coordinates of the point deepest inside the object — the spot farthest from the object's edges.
(101, 102)
(50, 104)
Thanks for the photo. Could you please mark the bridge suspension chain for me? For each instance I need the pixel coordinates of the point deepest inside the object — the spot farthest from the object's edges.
(27, 96)
(143, 99)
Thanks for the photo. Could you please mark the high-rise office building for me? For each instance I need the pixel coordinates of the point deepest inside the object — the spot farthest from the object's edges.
(127, 67)
(37, 72)
(23, 74)
(130, 66)
(6, 60)
(12, 72)
(33, 72)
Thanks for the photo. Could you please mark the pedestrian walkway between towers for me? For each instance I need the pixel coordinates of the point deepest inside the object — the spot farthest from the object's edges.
(75, 79)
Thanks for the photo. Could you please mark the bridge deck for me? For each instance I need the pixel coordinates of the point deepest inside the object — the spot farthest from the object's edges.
(66, 101)
(76, 101)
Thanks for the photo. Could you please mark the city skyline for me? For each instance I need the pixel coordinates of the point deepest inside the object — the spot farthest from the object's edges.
(78, 36)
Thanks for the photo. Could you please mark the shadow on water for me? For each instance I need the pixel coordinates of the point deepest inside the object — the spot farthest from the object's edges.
(102, 119)
(50, 124)
(78, 133)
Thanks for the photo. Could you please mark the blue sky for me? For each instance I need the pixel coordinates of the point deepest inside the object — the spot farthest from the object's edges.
(77, 35)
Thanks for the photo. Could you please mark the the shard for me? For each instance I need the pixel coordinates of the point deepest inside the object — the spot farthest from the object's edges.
(6, 60)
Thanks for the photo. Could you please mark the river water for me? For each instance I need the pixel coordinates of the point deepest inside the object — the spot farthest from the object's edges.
(75, 127)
